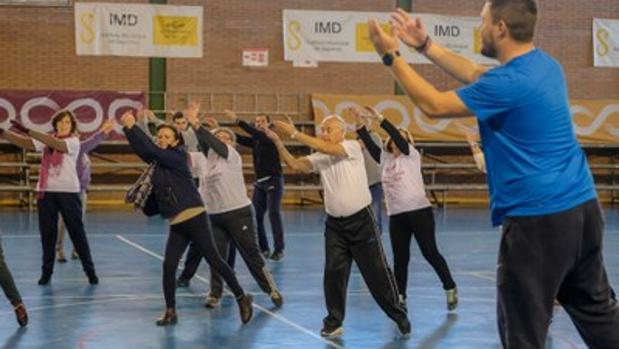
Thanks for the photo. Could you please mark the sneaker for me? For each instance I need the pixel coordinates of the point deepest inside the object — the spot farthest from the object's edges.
(245, 307)
(44, 280)
(266, 253)
(452, 298)
(212, 301)
(332, 332)
(181, 282)
(74, 255)
(21, 315)
(60, 257)
(405, 329)
(277, 256)
(277, 298)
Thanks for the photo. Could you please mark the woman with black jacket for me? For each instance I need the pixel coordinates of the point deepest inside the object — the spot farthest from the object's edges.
(178, 200)
(410, 212)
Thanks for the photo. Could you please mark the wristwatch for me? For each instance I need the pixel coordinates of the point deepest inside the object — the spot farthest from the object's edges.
(389, 57)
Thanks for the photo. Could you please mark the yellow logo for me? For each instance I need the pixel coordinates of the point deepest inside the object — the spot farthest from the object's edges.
(362, 36)
(294, 37)
(175, 30)
(602, 47)
(88, 34)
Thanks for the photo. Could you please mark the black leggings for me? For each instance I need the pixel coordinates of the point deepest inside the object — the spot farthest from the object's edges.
(197, 231)
(419, 223)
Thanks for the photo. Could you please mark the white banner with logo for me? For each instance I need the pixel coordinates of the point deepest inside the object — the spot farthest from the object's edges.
(138, 30)
(342, 36)
(605, 42)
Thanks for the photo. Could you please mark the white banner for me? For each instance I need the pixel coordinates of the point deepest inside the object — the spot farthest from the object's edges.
(138, 30)
(341, 36)
(605, 42)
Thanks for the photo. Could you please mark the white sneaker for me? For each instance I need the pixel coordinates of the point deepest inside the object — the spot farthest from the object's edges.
(452, 298)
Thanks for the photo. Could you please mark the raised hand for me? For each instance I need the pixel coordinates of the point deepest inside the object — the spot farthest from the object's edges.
(128, 120)
(411, 31)
(286, 127)
(270, 133)
(211, 122)
(360, 116)
(19, 126)
(383, 42)
(192, 113)
(107, 126)
(230, 115)
(373, 114)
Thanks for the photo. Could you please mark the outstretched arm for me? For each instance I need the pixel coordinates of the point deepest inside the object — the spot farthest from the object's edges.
(413, 33)
(434, 103)
(49, 140)
(315, 143)
(298, 164)
(17, 139)
(205, 137)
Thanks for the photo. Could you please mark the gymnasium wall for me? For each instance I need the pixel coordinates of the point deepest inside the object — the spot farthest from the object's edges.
(38, 52)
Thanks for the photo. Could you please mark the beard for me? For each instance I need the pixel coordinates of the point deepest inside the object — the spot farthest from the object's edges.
(488, 48)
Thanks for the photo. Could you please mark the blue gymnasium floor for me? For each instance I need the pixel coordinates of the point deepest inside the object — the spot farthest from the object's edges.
(127, 248)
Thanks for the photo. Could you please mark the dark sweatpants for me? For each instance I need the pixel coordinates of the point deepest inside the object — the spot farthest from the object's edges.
(555, 256)
(238, 228)
(69, 206)
(356, 237)
(420, 224)
(197, 231)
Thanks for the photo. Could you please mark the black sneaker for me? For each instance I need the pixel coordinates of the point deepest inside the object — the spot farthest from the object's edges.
(329, 332)
(277, 256)
(405, 329)
(44, 280)
(181, 282)
(245, 307)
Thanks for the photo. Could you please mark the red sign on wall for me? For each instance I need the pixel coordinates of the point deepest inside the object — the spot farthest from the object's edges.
(91, 108)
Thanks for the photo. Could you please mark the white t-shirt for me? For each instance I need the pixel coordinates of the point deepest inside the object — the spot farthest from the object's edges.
(222, 185)
(403, 182)
(344, 180)
(62, 178)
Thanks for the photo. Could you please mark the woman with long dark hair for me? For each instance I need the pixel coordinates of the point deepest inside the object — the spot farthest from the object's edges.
(176, 198)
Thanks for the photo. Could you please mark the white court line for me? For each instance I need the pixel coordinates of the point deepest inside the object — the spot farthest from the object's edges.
(67, 305)
(257, 306)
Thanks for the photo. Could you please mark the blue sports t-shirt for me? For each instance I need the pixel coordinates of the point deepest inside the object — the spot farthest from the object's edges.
(534, 163)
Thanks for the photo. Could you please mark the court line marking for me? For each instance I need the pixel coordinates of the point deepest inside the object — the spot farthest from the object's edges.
(66, 305)
(257, 306)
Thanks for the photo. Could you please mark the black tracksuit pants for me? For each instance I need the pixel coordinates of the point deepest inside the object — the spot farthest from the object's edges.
(356, 237)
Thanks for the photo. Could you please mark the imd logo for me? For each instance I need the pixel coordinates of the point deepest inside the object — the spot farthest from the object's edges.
(602, 47)
(293, 41)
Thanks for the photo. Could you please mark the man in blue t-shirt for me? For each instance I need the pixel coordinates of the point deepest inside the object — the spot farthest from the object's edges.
(541, 189)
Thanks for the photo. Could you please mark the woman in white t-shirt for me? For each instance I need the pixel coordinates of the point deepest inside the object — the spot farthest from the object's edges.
(410, 212)
(231, 213)
(58, 189)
